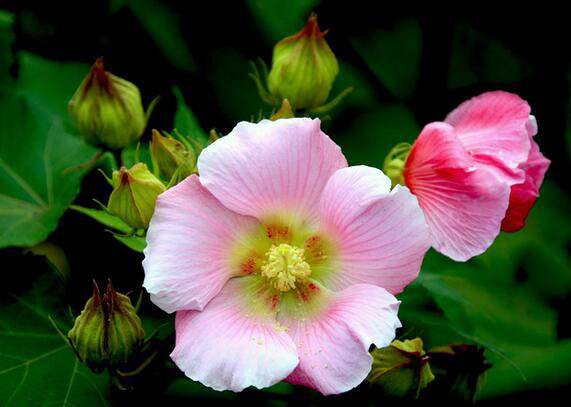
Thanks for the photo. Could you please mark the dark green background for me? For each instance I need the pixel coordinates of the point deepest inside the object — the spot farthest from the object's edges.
(407, 71)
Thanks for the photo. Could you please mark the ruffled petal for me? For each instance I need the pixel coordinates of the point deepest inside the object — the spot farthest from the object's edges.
(333, 333)
(380, 236)
(260, 169)
(189, 245)
(493, 127)
(235, 342)
(463, 203)
(523, 196)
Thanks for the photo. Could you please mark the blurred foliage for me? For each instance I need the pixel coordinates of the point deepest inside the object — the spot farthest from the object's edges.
(513, 300)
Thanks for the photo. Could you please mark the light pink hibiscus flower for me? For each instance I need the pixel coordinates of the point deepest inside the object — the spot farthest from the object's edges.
(478, 171)
(280, 261)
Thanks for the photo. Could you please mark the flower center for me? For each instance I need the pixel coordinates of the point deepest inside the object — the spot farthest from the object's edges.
(285, 265)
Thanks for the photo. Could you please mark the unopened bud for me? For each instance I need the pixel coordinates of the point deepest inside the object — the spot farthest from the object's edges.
(172, 156)
(303, 68)
(108, 331)
(135, 192)
(460, 368)
(395, 162)
(107, 110)
(401, 368)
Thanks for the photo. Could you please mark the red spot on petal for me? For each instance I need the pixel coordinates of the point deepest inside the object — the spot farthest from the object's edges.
(277, 232)
(274, 301)
(314, 249)
(248, 266)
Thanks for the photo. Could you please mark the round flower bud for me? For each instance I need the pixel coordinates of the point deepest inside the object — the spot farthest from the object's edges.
(108, 331)
(134, 194)
(401, 368)
(303, 68)
(107, 110)
(171, 155)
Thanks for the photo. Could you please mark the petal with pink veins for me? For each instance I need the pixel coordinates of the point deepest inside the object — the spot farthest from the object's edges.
(380, 236)
(494, 128)
(333, 332)
(260, 169)
(523, 196)
(235, 342)
(189, 241)
(463, 203)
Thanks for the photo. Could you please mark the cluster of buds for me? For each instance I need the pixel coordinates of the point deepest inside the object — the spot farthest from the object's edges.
(108, 331)
(303, 71)
(107, 110)
(173, 158)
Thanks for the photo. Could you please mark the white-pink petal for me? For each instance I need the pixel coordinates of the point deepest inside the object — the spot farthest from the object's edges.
(187, 258)
(463, 203)
(333, 343)
(380, 236)
(229, 346)
(261, 169)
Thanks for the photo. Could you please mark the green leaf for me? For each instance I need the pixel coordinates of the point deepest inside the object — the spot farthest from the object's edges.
(163, 27)
(279, 19)
(37, 367)
(6, 40)
(37, 176)
(476, 58)
(135, 243)
(372, 135)
(49, 84)
(185, 121)
(394, 56)
(104, 218)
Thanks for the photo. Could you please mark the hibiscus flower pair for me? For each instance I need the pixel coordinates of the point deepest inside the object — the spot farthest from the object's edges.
(282, 262)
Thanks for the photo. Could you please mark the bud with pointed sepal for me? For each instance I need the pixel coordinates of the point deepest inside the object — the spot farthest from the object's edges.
(401, 368)
(172, 156)
(107, 110)
(108, 331)
(135, 192)
(284, 112)
(303, 68)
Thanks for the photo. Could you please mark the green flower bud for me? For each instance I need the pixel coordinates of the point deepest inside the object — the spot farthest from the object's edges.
(395, 163)
(460, 369)
(108, 331)
(171, 155)
(134, 194)
(303, 68)
(401, 368)
(107, 110)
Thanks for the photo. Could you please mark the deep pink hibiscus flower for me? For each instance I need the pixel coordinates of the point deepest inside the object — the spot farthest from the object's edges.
(477, 172)
(280, 261)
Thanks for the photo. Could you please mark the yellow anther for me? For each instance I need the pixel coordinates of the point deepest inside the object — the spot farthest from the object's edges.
(285, 265)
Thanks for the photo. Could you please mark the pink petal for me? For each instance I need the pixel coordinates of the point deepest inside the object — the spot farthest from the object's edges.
(380, 235)
(464, 204)
(523, 196)
(493, 127)
(188, 244)
(333, 333)
(235, 342)
(260, 169)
